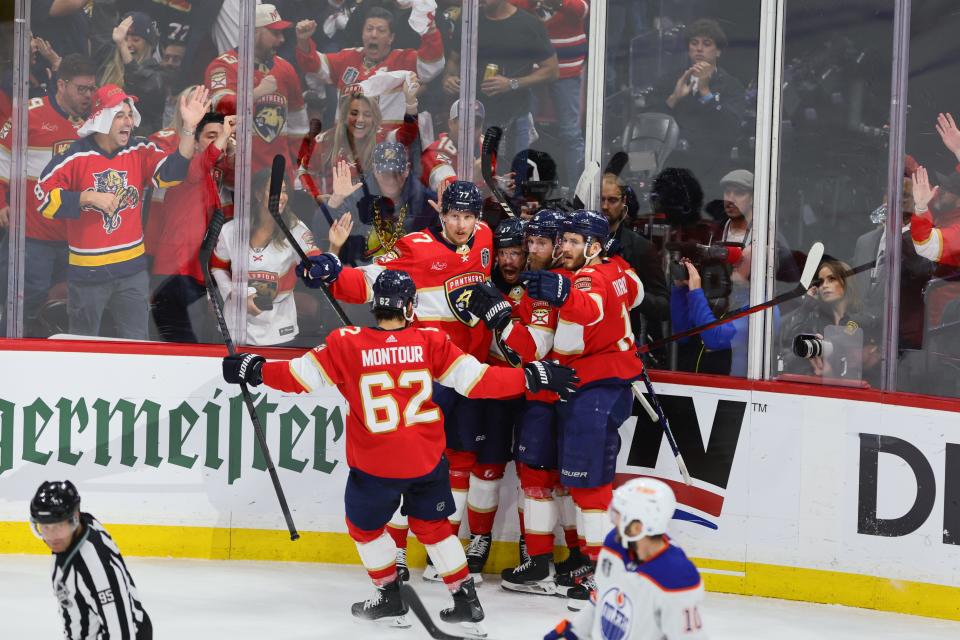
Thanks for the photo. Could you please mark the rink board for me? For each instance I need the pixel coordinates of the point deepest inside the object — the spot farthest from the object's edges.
(847, 498)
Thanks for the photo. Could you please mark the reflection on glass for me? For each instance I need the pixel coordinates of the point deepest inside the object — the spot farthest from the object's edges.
(833, 174)
(678, 130)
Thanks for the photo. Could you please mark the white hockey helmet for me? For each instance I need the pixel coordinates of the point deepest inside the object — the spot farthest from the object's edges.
(648, 500)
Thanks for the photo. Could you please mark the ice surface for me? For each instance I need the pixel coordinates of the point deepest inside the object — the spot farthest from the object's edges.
(198, 599)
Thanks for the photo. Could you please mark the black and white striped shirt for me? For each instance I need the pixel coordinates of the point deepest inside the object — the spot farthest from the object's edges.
(98, 599)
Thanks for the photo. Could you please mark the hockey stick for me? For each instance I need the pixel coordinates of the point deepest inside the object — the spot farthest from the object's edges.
(488, 167)
(657, 415)
(806, 279)
(412, 599)
(206, 250)
(582, 192)
(655, 412)
(273, 205)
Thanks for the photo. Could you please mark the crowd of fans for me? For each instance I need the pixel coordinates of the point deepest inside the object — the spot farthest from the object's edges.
(362, 100)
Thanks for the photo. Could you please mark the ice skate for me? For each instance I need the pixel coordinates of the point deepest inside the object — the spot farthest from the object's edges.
(579, 596)
(533, 576)
(384, 607)
(466, 610)
(477, 553)
(522, 549)
(403, 572)
(572, 570)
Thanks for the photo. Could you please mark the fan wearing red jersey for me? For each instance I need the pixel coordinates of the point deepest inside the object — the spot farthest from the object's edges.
(445, 264)
(279, 112)
(385, 373)
(594, 337)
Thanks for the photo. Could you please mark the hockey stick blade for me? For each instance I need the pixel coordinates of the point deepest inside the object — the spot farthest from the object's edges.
(582, 193)
(412, 599)
(811, 266)
(488, 168)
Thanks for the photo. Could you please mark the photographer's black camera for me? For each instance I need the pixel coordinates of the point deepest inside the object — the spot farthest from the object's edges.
(808, 345)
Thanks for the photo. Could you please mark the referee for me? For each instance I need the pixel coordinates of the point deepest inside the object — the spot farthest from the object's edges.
(98, 600)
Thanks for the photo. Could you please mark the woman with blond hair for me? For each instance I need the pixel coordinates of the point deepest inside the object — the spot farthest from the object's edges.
(134, 68)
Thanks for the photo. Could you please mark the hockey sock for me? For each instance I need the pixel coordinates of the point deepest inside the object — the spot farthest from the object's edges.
(461, 462)
(568, 518)
(398, 528)
(540, 510)
(523, 529)
(483, 497)
(592, 523)
(444, 550)
(377, 552)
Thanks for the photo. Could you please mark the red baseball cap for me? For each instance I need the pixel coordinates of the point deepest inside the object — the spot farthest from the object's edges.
(109, 96)
(269, 17)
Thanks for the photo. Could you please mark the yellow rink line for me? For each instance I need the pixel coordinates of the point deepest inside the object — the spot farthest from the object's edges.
(745, 578)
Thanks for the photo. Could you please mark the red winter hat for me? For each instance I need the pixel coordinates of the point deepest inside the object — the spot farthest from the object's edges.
(106, 103)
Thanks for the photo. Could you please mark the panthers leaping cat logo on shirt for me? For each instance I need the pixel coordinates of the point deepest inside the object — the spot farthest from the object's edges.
(113, 181)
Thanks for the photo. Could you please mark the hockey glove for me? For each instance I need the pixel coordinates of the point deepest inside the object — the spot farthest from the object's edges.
(547, 286)
(563, 630)
(243, 367)
(543, 375)
(322, 269)
(487, 303)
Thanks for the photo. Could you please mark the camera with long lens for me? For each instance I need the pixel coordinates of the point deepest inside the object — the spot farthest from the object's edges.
(808, 345)
(714, 263)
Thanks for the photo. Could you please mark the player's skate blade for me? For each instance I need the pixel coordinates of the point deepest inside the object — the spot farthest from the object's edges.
(385, 607)
(466, 610)
(533, 576)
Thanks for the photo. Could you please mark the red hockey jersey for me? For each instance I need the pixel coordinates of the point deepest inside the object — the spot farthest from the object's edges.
(444, 275)
(439, 163)
(51, 131)
(593, 333)
(394, 429)
(105, 244)
(279, 118)
(565, 27)
(347, 67)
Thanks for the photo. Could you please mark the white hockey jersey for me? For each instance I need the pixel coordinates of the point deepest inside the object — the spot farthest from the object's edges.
(270, 273)
(658, 599)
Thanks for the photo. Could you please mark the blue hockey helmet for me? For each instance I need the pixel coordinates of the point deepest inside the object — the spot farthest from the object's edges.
(591, 225)
(393, 291)
(462, 196)
(546, 223)
(509, 233)
(54, 501)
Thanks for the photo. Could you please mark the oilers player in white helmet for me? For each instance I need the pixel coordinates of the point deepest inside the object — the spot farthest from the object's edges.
(647, 588)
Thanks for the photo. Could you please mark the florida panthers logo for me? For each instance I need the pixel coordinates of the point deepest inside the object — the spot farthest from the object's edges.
(113, 181)
(270, 117)
(459, 290)
(266, 283)
(616, 614)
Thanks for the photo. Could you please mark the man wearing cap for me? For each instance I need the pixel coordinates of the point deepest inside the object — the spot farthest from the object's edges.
(393, 205)
(377, 55)
(737, 187)
(439, 160)
(97, 186)
(279, 113)
(53, 123)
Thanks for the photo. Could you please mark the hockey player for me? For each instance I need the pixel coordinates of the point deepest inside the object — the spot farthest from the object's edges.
(530, 336)
(647, 588)
(97, 596)
(385, 373)
(594, 337)
(445, 264)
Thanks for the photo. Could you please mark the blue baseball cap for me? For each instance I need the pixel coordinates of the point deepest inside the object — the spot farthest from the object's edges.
(389, 156)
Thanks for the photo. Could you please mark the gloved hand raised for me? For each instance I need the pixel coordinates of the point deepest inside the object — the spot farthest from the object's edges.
(243, 367)
(547, 286)
(322, 269)
(543, 375)
(488, 304)
(563, 631)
